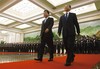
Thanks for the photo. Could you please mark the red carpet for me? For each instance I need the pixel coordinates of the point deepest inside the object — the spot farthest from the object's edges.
(82, 61)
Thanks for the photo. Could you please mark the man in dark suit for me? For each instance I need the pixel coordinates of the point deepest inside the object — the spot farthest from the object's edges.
(67, 24)
(46, 36)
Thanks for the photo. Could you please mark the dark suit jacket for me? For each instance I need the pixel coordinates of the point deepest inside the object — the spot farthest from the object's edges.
(48, 24)
(67, 25)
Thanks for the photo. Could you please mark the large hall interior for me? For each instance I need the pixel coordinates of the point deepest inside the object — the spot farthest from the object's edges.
(20, 28)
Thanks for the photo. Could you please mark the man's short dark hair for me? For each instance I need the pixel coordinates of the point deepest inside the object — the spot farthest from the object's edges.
(46, 11)
(69, 6)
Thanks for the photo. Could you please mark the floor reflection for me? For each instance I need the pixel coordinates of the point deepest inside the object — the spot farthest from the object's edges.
(14, 57)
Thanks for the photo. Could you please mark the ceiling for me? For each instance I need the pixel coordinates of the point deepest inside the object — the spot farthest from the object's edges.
(24, 16)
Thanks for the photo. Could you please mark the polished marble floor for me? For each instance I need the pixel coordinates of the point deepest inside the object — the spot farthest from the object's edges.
(14, 57)
(97, 66)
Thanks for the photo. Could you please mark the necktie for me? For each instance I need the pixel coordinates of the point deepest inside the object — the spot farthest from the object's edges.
(45, 20)
(66, 15)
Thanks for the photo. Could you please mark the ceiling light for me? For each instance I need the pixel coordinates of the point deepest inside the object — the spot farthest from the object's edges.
(23, 26)
(24, 9)
(58, 2)
(84, 9)
(5, 21)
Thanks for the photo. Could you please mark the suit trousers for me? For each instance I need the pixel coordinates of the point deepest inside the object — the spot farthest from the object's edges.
(69, 46)
(49, 42)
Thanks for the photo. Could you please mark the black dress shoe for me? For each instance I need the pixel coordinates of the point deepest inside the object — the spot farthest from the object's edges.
(68, 64)
(50, 60)
(38, 59)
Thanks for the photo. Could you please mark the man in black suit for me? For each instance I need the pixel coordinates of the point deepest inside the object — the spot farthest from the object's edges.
(67, 24)
(46, 36)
